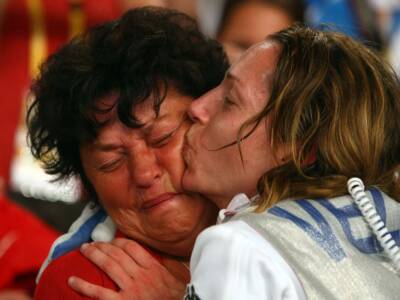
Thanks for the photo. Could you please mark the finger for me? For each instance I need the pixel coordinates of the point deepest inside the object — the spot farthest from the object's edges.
(137, 252)
(107, 264)
(91, 290)
(119, 256)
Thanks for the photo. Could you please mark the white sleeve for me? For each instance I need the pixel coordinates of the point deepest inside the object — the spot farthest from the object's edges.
(232, 261)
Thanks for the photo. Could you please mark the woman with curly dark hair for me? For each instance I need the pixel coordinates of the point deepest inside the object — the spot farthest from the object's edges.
(110, 108)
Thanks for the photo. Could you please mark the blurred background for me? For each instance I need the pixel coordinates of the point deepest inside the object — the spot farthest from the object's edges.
(33, 209)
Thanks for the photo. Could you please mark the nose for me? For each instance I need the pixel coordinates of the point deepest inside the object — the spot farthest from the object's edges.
(144, 166)
(200, 109)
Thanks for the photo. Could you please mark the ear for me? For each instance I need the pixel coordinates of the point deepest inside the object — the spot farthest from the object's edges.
(312, 156)
(283, 154)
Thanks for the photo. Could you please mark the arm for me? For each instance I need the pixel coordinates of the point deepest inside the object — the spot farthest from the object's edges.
(92, 224)
(137, 273)
(232, 261)
(53, 283)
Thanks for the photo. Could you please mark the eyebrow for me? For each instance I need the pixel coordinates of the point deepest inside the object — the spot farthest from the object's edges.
(104, 147)
(235, 88)
(147, 128)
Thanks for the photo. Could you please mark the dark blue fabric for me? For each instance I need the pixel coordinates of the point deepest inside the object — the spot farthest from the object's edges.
(81, 236)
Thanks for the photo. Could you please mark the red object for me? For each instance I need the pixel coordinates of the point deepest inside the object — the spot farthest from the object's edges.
(53, 283)
(24, 244)
(14, 77)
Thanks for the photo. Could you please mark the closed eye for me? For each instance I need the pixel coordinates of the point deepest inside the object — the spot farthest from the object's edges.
(227, 101)
(158, 142)
(110, 165)
(163, 140)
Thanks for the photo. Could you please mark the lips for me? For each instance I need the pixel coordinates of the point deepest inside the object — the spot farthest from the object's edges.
(153, 202)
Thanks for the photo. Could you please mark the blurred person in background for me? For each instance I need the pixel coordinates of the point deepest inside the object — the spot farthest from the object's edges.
(110, 108)
(388, 19)
(247, 22)
(356, 18)
(241, 23)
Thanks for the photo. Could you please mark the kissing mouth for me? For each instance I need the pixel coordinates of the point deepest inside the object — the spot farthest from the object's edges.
(153, 202)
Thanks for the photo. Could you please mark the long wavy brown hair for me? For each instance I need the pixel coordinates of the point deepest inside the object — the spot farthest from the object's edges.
(336, 105)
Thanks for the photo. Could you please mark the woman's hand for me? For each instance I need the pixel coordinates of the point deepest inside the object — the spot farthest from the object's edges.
(136, 272)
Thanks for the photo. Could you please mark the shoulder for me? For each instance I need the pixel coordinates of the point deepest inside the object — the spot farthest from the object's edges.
(232, 235)
(233, 261)
(53, 283)
(231, 240)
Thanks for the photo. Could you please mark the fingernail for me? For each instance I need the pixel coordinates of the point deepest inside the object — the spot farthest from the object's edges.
(71, 280)
(84, 246)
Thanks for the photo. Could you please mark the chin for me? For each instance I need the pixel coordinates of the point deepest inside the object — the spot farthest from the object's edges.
(177, 245)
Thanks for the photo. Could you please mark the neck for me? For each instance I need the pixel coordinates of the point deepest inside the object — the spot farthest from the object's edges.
(221, 202)
(178, 268)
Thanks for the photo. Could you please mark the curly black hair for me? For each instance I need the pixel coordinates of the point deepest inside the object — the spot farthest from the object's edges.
(143, 53)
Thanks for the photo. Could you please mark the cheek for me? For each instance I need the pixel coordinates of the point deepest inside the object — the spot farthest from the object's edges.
(258, 158)
(170, 157)
(227, 160)
(222, 131)
(221, 164)
(105, 186)
(127, 221)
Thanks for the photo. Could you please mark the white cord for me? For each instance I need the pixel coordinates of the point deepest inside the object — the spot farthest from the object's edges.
(356, 189)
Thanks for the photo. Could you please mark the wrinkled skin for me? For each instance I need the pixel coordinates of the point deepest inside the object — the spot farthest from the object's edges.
(218, 171)
(137, 176)
(137, 274)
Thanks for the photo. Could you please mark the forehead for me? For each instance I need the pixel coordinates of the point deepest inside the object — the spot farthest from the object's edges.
(257, 63)
(116, 134)
(144, 111)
